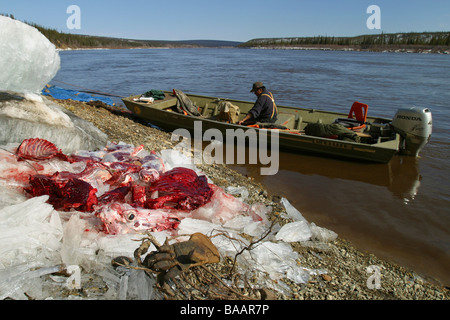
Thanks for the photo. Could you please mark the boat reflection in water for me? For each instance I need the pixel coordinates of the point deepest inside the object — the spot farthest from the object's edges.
(405, 178)
(400, 176)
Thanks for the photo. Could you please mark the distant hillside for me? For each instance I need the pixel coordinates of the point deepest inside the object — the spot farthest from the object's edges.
(431, 41)
(208, 43)
(76, 41)
(67, 40)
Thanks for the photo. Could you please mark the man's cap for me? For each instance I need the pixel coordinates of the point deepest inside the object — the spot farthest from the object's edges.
(256, 86)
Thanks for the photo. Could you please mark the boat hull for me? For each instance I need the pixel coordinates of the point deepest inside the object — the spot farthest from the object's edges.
(163, 114)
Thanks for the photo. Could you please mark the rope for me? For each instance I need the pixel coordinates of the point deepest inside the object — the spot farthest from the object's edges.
(87, 90)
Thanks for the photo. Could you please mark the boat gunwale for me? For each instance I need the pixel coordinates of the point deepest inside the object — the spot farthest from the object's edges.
(151, 106)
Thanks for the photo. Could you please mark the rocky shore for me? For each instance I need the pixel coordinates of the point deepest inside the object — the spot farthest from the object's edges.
(348, 270)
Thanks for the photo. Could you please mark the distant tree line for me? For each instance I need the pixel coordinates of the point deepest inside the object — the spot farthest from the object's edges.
(68, 40)
(364, 41)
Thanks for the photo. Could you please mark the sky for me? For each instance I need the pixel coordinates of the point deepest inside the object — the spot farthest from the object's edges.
(234, 20)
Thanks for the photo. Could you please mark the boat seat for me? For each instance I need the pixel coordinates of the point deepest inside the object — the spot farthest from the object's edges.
(356, 117)
(285, 119)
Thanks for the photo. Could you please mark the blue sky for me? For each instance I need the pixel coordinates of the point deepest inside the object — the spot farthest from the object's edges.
(232, 19)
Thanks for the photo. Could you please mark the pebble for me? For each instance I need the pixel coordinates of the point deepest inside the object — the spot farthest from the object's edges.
(326, 277)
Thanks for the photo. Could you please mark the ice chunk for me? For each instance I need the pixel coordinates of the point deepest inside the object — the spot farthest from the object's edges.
(29, 231)
(122, 244)
(141, 286)
(294, 232)
(123, 286)
(259, 211)
(240, 191)
(292, 211)
(246, 225)
(13, 279)
(73, 232)
(279, 261)
(238, 223)
(190, 226)
(174, 158)
(28, 60)
(223, 207)
(9, 196)
(322, 234)
(300, 229)
(36, 117)
(87, 247)
(35, 109)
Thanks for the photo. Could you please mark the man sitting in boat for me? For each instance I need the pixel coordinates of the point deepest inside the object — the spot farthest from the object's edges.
(264, 110)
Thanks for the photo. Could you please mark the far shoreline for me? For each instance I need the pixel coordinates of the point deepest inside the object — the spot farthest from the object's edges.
(422, 50)
(380, 50)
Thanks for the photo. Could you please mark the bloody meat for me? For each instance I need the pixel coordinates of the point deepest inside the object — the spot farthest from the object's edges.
(64, 194)
(179, 188)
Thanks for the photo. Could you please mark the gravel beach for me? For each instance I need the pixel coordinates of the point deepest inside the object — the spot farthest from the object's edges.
(348, 273)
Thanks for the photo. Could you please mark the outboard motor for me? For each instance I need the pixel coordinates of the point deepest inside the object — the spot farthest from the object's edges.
(414, 126)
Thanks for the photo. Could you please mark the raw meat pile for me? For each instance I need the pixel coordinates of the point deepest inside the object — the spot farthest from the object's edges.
(127, 188)
(182, 187)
